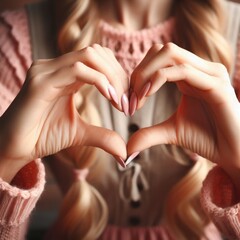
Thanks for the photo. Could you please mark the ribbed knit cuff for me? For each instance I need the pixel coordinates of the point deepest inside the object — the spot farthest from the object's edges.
(218, 199)
(18, 199)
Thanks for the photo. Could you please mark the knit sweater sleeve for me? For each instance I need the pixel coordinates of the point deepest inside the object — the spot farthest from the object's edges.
(220, 202)
(18, 198)
(218, 196)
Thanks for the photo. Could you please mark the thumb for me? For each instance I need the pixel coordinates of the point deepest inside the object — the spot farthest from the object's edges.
(106, 139)
(163, 133)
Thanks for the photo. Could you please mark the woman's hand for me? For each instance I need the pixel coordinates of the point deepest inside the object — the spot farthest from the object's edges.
(207, 120)
(43, 119)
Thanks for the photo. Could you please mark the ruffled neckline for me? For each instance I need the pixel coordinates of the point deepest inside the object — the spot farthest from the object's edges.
(163, 28)
(130, 47)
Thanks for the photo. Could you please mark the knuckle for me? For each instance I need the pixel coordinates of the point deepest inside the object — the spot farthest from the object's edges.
(222, 73)
(34, 69)
(34, 82)
(109, 51)
(160, 73)
(96, 46)
(78, 67)
(184, 69)
(89, 52)
(156, 47)
(101, 78)
(221, 68)
(34, 72)
(170, 48)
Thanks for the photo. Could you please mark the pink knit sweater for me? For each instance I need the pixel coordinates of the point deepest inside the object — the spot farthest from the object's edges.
(18, 199)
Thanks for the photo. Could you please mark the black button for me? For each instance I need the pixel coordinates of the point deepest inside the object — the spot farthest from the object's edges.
(134, 221)
(135, 204)
(133, 127)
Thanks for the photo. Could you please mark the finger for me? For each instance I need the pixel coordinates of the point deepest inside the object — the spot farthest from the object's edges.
(48, 66)
(145, 138)
(122, 88)
(120, 84)
(152, 52)
(111, 60)
(69, 79)
(51, 65)
(191, 81)
(93, 59)
(171, 55)
(105, 139)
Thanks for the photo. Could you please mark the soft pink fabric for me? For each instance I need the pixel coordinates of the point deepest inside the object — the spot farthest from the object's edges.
(221, 204)
(138, 233)
(18, 199)
(15, 54)
(130, 47)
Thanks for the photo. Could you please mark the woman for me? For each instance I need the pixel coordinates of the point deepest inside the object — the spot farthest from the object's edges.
(150, 92)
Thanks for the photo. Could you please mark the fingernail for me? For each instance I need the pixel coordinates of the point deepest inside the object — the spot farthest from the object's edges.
(131, 157)
(145, 90)
(125, 104)
(133, 103)
(120, 161)
(113, 93)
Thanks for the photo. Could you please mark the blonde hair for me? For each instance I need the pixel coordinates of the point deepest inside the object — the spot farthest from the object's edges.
(199, 29)
(77, 21)
(83, 213)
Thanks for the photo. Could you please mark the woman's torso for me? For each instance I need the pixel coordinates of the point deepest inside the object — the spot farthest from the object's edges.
(135, 196)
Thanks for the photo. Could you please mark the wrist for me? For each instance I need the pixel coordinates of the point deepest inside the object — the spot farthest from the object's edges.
(8, 169)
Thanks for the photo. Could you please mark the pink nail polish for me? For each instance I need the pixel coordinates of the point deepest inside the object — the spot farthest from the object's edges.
(133, 103)
(125, 104)
(145, 90)
(113, 93)
(131, 157)
(120, 161)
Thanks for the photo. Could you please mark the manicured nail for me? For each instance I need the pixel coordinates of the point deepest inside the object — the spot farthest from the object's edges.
(145, 90)
(113, 93)
(133, 103)
(131, 157)
(125, 104)
(120, 161)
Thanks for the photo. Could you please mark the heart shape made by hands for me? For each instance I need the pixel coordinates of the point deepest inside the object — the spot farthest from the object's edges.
(203, 113)
(192, 125)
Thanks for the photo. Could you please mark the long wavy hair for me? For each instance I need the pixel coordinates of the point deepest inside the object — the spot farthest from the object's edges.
(199, 28)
